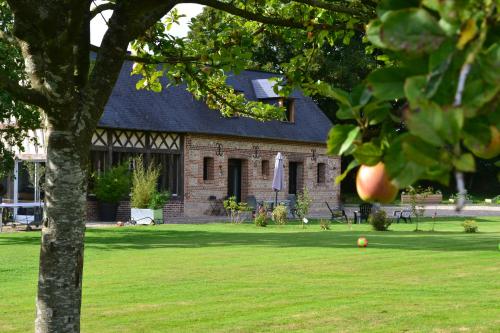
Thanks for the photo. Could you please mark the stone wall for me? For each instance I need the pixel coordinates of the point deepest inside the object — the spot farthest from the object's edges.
(252, 152)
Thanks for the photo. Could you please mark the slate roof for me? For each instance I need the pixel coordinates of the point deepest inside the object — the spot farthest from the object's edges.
(176, 110)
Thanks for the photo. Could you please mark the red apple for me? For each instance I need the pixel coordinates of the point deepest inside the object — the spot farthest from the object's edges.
(492, 149)
(373, 184)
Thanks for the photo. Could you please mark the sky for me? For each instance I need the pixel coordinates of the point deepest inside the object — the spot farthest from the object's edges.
(98, 25)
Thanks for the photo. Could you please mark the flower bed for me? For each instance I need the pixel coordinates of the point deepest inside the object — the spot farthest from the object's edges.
(422, 199)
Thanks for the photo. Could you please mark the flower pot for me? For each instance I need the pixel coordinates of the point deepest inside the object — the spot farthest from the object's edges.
(107, 211)
(146, 215)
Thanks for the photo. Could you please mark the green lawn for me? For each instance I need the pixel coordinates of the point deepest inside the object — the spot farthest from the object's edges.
(238, 278)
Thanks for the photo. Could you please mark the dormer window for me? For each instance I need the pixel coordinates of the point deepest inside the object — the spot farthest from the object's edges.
(289, 105)
(264, 91)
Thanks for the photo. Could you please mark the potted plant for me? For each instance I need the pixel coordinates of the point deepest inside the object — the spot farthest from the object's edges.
(111, 187)
(146, 202)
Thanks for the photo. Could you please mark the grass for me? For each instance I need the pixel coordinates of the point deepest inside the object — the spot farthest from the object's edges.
(239, 278)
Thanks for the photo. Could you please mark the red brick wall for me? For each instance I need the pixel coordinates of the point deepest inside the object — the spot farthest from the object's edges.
(174, 208)
(122, 214)
(197, 190)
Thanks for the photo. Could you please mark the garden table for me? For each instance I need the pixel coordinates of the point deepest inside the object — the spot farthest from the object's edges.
(18, 205)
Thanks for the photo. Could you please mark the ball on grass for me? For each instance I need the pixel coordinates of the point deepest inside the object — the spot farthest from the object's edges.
(362, 242)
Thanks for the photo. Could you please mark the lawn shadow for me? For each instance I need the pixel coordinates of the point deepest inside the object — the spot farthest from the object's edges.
(404, 240)
(138, 238)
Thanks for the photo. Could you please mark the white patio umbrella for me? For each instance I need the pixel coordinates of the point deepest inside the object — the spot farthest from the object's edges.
(279, 176)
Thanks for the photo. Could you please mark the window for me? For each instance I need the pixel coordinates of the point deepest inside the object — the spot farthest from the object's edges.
(98, 161)
(265, 168)
(321, 173)
(289, 105)
(208, 168)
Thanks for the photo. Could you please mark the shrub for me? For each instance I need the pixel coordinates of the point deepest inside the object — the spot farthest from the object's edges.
(113, 185)
(324, 224)
(235, 209)
(159, 199)
(470, 226)
(261, 218)
(144, 182)
(303, 203)
(279, 215)
(379, 221)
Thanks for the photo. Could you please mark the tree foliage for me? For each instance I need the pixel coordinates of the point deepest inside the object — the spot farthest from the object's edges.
(443, 69)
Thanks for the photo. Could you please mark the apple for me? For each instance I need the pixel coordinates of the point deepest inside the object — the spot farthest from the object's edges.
(492, 149)
(362, 242)
(373, 184)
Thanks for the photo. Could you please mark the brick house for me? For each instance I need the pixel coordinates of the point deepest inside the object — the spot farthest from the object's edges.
(204, 155)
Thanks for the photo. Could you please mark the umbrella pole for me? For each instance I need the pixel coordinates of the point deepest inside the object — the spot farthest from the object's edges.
(276, 199)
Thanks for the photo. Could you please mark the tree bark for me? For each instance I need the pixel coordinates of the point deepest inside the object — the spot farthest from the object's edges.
(61, 254)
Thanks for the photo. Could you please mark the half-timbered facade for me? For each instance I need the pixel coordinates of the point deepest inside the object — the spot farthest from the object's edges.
(203, 155)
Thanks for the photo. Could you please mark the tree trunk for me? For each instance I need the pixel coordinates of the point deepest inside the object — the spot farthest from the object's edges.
(61, 254)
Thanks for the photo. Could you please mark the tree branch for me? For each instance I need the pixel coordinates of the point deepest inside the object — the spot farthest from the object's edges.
(101, 8)
(253, 16)
(24, 94)
(335, 8)
(173, 59)
(129, 20)
(221, 99)
(8, 38)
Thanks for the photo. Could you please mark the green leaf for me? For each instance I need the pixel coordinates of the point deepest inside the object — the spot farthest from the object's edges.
(420, 152)
(351, 136)
(411, 30)
(453, 120)
(377, 112)
(476, 132)
(360, 95)
(345, 112)
(351, 166)
(368, 154)
(387, 83)
(390, 5)
(414, 88)
(338, 94)
(337, 136)
(426, 122)
(489, 62)
(465, 163)
(401, 171)
(141, 84)
(373, 33)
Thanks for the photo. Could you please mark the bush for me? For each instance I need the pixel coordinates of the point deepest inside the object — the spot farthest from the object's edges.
(159, 199)
(303, 203)
(235, 210)
(324, 224)
(379, 221)
(470, 226)
(113, 185)
(144, 181)
(279, 215)
(261, 218)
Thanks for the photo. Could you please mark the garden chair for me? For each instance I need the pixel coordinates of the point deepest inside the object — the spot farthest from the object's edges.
(338, 212)
(363, 213)
(216, 206)
(404, 214)
(252, 204)
(292, 204)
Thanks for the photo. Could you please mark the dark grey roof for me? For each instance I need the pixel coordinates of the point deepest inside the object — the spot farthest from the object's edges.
(176, 110)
